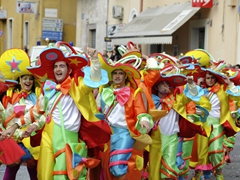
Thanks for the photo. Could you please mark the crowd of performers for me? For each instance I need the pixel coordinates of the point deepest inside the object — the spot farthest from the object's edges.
(81, 116)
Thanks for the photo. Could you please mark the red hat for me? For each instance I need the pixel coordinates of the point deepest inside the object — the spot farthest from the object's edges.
(233, 74)
(50, 56)
(171, 74)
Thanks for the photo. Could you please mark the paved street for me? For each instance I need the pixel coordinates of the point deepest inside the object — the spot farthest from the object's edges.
(231, 171)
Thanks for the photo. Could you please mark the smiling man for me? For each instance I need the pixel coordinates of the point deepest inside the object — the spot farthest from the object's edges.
(65, 112)
(128, 120)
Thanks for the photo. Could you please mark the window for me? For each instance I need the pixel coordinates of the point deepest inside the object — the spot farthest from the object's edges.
(10, 33)
(93, 38)
(26, 35)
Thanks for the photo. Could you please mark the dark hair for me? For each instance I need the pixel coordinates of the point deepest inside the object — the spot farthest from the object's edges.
(18, 86)
(237, 65)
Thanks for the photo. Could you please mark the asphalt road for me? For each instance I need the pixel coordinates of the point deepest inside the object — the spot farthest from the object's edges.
(230, 172)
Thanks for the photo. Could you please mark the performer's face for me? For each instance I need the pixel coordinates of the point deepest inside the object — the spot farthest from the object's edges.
(118, 77)
(60, 71)
(210, 79)
(163, 89)
(200, 82)
(26, 82)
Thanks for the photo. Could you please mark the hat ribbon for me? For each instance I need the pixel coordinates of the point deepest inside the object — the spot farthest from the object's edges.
(122, 96)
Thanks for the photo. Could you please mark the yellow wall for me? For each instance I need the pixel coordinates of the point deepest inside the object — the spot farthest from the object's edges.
(66, 11)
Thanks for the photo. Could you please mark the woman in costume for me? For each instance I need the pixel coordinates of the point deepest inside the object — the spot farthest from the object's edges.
(208, 153)
(16, 103)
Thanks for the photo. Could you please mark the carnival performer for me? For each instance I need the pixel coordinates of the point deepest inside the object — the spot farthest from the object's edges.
(193, 61)
(229, 142)
(65, 110)
(128, 120)
(167, 96)
(208, 153)
(17, 101)
(149, 70)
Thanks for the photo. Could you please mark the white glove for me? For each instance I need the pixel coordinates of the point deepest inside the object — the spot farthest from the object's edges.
(95, 72)
(153, 64)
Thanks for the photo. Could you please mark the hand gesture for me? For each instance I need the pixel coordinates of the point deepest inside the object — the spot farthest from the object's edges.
(145, 124)
(93, 53)
(226, 80)
(190, 80)
(8, 132)
(29, 131)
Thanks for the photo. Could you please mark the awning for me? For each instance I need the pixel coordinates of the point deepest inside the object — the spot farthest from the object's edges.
(155, 25)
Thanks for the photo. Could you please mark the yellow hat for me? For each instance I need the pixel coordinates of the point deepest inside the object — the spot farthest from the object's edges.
(203, 57)
(14, 63)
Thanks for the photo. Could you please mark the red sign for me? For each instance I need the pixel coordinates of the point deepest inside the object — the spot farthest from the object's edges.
(202, 3)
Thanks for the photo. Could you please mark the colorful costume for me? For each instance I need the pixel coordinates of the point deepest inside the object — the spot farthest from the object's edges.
(170, 132)
(16, 104)
(212, 158)
(124, 112)
(68, 108)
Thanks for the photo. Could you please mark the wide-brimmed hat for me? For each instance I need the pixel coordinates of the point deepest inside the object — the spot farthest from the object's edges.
(190, 67)
(216, 70)
(203, 57)
(233, 74)
(131, 72)
(164, 58)
(219, 76)
(13, 63)
(50, 56)
(130, 49)
(171, 74)
(187, 60)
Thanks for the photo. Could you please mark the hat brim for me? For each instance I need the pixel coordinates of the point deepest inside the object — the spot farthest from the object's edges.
(187, 60)
(233, 74)
(173, 80)
(49, 57)
(131, 72)
(218, 75)
(132, 53)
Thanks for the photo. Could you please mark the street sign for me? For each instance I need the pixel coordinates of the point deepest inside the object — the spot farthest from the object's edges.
(26, 7)
(52, 28)
(107, 39)
(112, 29)
(3, 14)
(52, 35)
(202, 3)
(1, 33)
(60, 29)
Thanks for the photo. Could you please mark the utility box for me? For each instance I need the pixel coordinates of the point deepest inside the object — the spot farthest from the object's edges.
(117, 12)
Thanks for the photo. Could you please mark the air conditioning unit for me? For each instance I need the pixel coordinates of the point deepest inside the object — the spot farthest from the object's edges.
(117, 12)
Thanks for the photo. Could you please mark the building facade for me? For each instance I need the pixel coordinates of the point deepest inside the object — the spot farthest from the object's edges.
(155, 26)
(214, 29)
(28, 23)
